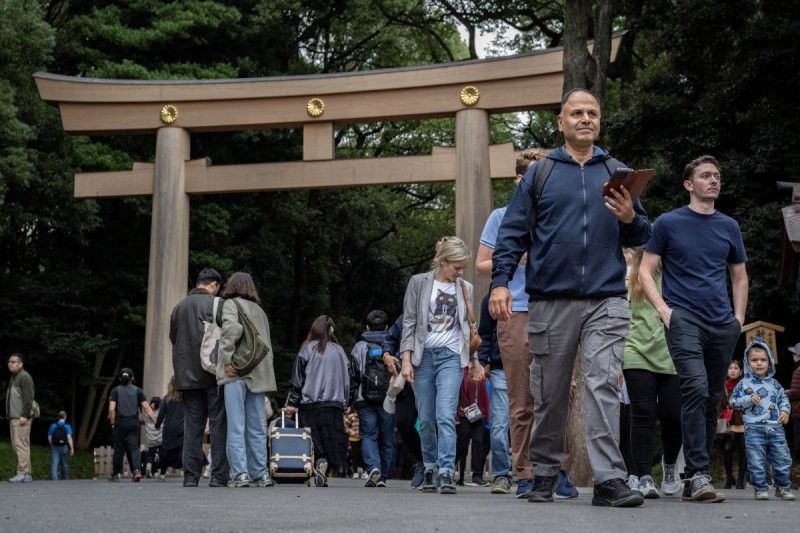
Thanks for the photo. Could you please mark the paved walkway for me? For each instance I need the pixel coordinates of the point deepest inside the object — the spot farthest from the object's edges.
(347, 506)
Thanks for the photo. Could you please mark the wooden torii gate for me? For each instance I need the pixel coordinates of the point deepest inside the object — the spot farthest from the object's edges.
(468, 90)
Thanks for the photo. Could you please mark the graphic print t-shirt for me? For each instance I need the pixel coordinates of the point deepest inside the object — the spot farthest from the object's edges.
(443, 327)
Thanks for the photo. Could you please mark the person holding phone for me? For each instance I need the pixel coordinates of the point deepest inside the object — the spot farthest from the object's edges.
(575, 281)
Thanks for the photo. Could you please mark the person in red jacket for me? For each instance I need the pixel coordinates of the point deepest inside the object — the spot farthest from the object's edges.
(794, 397)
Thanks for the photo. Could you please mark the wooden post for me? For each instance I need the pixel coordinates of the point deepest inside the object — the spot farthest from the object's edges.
(169, 255)
(473, 187)
(318, 141)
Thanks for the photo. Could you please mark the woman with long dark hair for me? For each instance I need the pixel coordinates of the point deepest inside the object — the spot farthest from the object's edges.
(244, 393)
(324, 382)
(435, 350)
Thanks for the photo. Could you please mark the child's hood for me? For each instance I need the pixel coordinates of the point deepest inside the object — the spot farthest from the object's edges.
(758, 342)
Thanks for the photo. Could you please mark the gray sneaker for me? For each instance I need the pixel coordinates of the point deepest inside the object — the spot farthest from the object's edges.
(321, 473)
(699, 489)
(16, 479)
(648, 488)
(446, 484)
(671, 483)
(783, 493)
(762, 494)
(501, 485)
(430, 482)
(26, 478)
(374, 477)
(240, 481)
(263, 481)
(632, 482)
(419, 476)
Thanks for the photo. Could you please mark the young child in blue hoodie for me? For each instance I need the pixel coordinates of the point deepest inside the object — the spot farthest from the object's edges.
(764, 407)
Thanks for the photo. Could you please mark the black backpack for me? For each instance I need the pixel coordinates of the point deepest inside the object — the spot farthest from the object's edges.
(59, 437)
(375, 378)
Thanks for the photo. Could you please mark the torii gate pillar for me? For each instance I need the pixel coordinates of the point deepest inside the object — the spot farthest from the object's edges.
(473, 188)
(169, 255)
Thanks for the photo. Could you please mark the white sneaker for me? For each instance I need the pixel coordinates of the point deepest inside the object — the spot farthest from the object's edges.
(161, 477)
(762, 495)
(17, 479)
(784, 493)
(633, 482)
(671, 482)
(647, 487)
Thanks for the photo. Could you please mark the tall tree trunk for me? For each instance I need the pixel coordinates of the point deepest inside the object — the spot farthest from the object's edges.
(93, 407)
(601, 51)
(583, 70)
(576, 34)
(580, 468)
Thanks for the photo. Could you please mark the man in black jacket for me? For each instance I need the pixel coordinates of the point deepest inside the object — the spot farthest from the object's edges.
(201, 398)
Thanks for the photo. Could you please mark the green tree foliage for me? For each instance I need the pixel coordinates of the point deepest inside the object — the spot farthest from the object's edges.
(719, 78)
(694, 77)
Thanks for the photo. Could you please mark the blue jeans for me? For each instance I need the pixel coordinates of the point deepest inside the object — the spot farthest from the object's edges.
(437, 381)
(59, 462)
(766, 445)
(247, 443)
(498, 406)
(376, 428)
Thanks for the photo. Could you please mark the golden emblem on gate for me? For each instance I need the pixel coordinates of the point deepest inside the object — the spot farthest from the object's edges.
(169, 114)
(315, 107)
(470, 95)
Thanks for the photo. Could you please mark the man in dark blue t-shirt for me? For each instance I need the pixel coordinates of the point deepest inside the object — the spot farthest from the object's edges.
(695, 245)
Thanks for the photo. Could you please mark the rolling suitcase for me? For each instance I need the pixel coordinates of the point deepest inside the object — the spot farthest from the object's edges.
(291, 452)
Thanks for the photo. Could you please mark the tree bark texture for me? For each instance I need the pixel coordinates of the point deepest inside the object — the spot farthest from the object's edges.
(580, 468)
(583, 70)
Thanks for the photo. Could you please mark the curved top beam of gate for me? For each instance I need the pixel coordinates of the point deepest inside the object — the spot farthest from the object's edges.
(527, 81)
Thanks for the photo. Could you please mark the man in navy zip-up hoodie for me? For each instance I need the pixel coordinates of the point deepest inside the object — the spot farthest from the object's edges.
(575, 280)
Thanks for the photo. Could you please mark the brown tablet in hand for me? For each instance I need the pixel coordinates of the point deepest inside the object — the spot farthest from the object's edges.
(634, 181)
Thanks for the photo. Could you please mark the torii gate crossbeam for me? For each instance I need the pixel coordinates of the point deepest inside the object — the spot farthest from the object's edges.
(467, 90)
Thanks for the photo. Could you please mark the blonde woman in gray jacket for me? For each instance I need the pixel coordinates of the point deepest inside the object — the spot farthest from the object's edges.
(244, 395)
(435, 349)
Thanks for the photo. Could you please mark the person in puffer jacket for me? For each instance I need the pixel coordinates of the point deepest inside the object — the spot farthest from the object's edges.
(765, 408)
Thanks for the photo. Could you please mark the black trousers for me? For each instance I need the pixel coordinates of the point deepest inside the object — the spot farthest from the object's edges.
(467, 432)
(653, 395)
(201, 405)
(328, 435)
(730, 443)
(126, 442)
(701, 353)
(406, 419)
(170, 457)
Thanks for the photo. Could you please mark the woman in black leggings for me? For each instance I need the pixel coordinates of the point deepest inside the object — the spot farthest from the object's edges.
(654, 391)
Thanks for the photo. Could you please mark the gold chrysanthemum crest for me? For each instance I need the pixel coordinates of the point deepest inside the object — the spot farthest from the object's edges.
(168, 114)
(470, 95)
(315, 107)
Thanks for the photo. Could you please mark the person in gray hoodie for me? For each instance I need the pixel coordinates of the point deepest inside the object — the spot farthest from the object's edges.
(244, 394)
(765, 408)
(324, 382)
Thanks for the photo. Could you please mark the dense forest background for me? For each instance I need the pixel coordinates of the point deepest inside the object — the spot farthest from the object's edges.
(693, 77)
